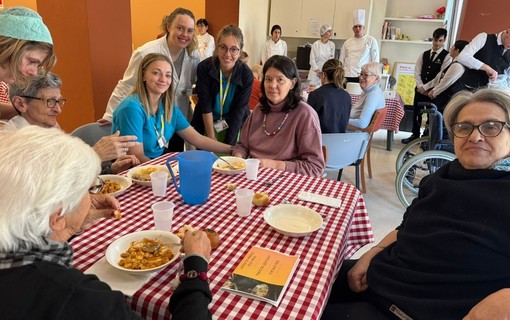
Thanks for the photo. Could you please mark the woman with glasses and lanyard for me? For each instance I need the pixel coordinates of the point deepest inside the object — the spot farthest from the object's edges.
(449, 258)
(150, 113)
(372, 98)
(223, 86)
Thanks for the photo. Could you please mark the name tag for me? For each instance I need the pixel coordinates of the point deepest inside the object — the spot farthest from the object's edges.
(220, 125)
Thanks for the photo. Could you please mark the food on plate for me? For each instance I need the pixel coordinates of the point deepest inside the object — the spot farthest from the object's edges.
(231, 186)
(235, 165)
(214, 238)
(261, 199)
(137, 259)
(110, 186)
(117, 214)
(145, 174)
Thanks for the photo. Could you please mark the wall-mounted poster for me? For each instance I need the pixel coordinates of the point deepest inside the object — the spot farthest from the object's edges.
(404, 73)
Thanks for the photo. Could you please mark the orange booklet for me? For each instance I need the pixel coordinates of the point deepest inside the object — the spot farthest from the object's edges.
(263, 274)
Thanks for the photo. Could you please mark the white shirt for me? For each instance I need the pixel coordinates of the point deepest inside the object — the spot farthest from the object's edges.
(205, 45)
(466, 57)
(181, 82)
(419, 64)
(319, 54)
(357, 52)
(440, 83)
(271, 49)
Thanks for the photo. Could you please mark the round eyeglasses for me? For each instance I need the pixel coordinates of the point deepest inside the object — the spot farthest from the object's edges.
(489, 129)
(233, 50)
(50, 103)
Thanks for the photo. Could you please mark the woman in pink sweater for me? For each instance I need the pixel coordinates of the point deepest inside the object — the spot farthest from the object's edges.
(283, 132)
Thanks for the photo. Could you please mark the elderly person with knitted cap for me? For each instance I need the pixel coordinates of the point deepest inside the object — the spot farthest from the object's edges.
(45, 201)
(26, 47)
(322, 51)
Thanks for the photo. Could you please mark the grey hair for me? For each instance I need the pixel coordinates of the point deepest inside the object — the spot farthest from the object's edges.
(35, 84)
(44, 171)
(374, 68)
(499, 97)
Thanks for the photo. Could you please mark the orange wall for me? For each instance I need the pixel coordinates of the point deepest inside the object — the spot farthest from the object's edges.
(147, 16)
(483, 16)
(220, 13)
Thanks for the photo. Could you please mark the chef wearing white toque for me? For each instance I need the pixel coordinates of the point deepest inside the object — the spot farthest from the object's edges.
(358, 50)
(322, 50)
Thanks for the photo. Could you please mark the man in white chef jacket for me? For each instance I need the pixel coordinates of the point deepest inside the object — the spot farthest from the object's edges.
(358, 50)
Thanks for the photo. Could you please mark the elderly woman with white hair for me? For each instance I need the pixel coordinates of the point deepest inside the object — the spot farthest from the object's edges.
(371, 100)
(40, 102)
(45, 200)
(322, 50)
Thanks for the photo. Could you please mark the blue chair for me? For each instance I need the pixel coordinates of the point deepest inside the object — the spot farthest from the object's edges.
(91, 133)
(345, 149)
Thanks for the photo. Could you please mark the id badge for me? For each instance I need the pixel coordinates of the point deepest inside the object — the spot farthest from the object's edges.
(220, 125)
(162, 141)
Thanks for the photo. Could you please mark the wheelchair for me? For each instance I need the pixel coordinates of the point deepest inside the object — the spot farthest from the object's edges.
(422, 156)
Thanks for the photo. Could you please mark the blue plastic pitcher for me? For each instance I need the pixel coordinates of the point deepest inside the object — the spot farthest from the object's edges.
(195, 168)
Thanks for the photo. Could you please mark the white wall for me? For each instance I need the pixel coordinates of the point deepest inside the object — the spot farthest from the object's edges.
(254, 20)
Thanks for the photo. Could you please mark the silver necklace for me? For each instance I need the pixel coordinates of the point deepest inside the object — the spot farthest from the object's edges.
(277, 129)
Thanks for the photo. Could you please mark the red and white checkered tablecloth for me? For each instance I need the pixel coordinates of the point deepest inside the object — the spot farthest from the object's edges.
(393, 116)
(345, 230)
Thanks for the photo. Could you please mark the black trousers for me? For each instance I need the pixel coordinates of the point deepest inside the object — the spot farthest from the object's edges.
(417, 116)
(346, 304)
(176, 144)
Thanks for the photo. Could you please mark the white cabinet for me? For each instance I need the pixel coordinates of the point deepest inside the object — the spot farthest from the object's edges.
(342, 25)
(303, 18)
(314, 14)
(286, 14)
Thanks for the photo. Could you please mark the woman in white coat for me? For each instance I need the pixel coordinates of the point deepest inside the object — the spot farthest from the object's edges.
(179, 44)
(322, 51)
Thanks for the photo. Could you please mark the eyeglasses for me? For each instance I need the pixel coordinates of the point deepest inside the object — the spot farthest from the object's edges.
(365, 75)
(97, 186)
(489, 129)
(50, 103)
(233, 50)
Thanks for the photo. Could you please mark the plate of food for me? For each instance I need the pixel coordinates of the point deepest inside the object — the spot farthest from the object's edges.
(238, 165)
(142, 175)
(114, 184)
(293, 220)
(143, 252)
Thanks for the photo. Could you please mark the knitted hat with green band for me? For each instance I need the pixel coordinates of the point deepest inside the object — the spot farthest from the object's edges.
(24, 24)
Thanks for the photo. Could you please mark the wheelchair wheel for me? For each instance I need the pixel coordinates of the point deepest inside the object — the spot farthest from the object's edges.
(411, 149)
(415, 169)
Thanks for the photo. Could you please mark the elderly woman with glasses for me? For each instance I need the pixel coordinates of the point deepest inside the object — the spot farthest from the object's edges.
(223, 86)
(372, 98)
(449, 258)
(45, 201)
(40, 103)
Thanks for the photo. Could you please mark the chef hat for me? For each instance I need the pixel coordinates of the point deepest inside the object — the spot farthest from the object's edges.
(24, 24)
(358, 17)
(325, 28)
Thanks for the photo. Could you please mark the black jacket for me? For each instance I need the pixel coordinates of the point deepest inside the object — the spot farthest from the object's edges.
(333, 105)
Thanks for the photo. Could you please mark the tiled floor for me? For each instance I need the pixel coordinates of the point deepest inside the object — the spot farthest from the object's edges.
(383, 206)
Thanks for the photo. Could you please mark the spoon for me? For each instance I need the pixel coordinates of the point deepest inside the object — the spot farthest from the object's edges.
(231, 167)
(152, 248)
(270, 182)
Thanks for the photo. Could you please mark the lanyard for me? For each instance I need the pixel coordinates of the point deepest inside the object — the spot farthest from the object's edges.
(162, 128)
(223, 96)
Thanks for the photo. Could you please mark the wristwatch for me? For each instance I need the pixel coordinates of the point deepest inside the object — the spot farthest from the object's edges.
(192, 274)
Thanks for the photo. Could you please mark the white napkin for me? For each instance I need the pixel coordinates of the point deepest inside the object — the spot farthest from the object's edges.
(317, 198)
(124, 282)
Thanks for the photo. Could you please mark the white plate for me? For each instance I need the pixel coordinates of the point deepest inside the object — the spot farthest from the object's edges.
(293, 220)
(147, 183)
(121, 245)
(221, 167)
(124, 182)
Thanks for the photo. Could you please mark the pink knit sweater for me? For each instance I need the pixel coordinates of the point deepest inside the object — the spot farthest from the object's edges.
(299, 141)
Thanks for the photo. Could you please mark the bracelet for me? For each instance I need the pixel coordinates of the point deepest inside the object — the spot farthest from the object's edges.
(231, 150)
(192, 274)
(377, 246)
